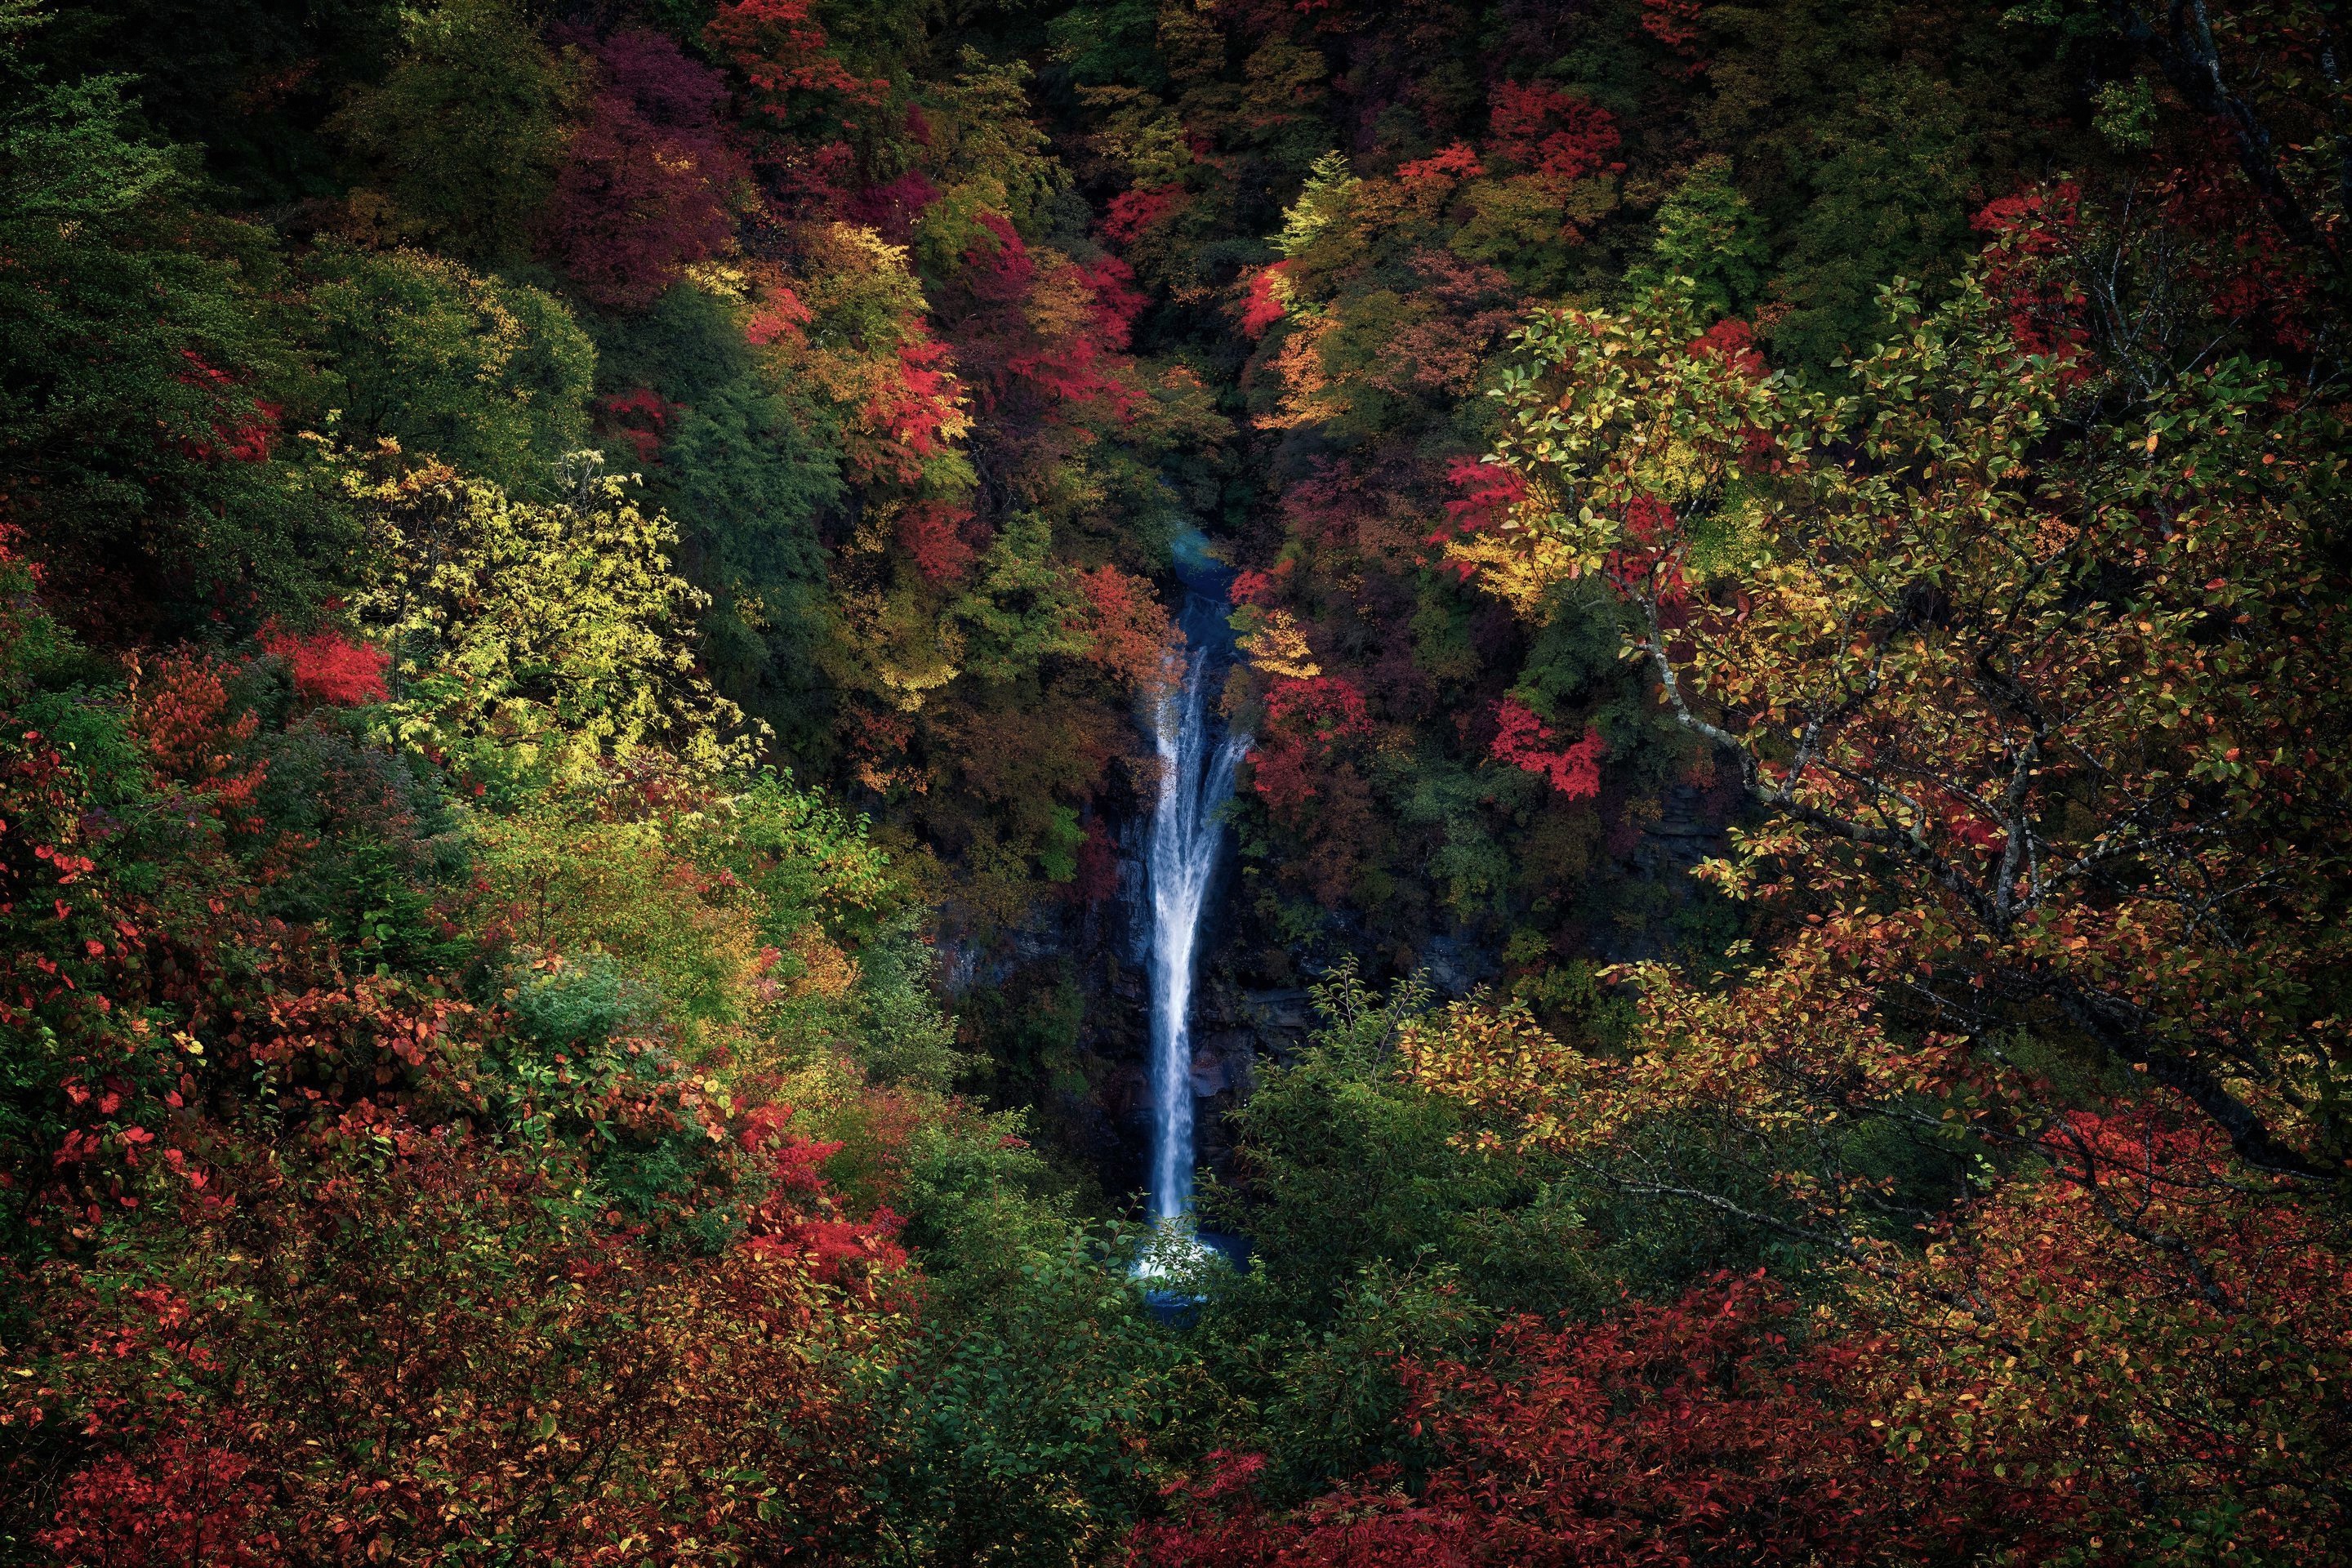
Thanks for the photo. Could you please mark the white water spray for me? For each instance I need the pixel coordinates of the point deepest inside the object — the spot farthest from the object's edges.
(1196, 777)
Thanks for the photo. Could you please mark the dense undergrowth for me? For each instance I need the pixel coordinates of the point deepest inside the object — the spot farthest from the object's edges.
(555, 557)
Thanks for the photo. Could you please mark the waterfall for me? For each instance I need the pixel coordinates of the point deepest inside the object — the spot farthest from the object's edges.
(1196, 777)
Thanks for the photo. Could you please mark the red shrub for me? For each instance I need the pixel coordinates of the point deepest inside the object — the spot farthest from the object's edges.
(639, 417)
(647, 181)
(1261, 588)
(1674, 23)
(1551, 132)
(1458, 162)
(1118, 301)
(1132, 212)
(1524, 740)
(1488, 490)
(1280, 775)
(327, 669)
(1306, 722)
(783, 55)
(245, 429)
(893, 208)
(801, 1220)
(1264, 307)
(1733, 342)
(1327, 707)
(913, 412)
(1651, 552)
(1021, 360)
(1680, 1434)
(1128, 630)
(187, 1503)
(779, 316)
(2031, 231)
(180, 717)
(932, 534)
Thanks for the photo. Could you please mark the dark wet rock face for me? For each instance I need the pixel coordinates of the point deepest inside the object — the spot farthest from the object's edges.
(1060, 1008)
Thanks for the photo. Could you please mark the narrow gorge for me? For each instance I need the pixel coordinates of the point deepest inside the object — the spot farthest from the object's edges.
(1186, 849)
(1175, 783)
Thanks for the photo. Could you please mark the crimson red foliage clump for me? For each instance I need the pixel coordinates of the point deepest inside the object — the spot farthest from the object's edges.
(1651, 551)
(329, 668)
(780, 317)
(187, 1503)
(1129, 213)
(934, 535)
(2031, 229)
(1261, 588)
(998, 268)
(1279, 774)
(893, 208)
(2240, 272)
(245, 429)
(645, 182)
(803, 1220)
(180, 715)
(640, 417)
(783, 55)
(913, 410)
(1674, 23)
(1528, 743)
(1459, 162)
(1307, 721)
(1551, 132)
(1332, 507)
(1127, 627)
(1264, 307)
(1733, 342)
(1675, 1435)
(1018, 366)
(814, 183)
(1327, 707)
(1488, 490)
(1118, 301)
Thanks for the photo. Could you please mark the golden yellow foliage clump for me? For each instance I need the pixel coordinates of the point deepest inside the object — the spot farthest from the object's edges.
(1274, 646)
(825, 971)
(1520, 569)
(1501, 1065)
(532, 640)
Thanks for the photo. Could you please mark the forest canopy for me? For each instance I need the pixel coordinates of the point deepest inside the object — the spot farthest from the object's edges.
(582, 589)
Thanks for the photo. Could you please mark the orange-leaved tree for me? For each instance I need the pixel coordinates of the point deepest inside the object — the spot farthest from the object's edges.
(384, 1343)
(2040, 1039)
(2025, 703)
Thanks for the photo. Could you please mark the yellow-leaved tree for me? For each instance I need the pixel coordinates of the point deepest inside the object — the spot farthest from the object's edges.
(533, 642)
(2040, 1043)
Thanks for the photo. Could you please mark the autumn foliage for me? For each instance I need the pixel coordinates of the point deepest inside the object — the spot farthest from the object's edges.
(1522, 739)
(583, 593)
(1696, 1432)
(329, 668)
(649, 180)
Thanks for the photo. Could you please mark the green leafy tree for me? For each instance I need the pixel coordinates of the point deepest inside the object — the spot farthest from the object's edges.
(488, 376)
(139, 382)
(1708, 234)
(990, 156)
(747, 473)
(1346, 1165)
(466, 130)
(1023, 1425)
(530, 641)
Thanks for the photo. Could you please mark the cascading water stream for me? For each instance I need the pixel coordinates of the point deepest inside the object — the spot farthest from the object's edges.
(1196, 777)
